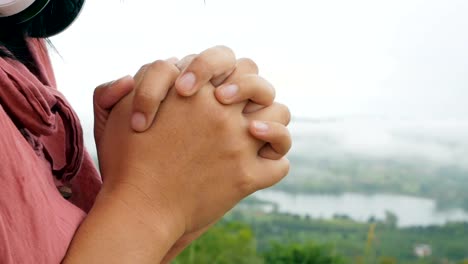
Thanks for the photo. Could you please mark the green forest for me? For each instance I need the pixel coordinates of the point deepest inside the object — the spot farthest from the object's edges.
(251, 236)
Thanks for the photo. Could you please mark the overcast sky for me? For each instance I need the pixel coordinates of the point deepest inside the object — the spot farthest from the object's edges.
(325, 58)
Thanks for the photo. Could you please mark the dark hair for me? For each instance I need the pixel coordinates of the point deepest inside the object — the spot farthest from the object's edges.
(55, 17)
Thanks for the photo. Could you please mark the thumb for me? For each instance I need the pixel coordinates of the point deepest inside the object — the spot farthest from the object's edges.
(106, 96)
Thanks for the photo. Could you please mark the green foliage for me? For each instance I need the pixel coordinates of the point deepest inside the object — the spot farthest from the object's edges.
(253, 237)
(387, 260)
(305, 253)
(234, 242)
(225, 243)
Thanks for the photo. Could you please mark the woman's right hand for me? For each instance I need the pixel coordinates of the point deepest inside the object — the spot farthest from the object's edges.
(196, 161)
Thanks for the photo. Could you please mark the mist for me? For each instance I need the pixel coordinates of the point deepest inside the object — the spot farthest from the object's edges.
(435, 143)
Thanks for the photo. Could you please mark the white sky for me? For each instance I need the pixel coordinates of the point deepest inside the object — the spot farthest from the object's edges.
(397, 58)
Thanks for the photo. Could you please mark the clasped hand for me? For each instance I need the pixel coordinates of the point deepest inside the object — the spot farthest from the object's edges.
(191, 152)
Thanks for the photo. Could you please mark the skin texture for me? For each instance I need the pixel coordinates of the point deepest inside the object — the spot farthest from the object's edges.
(217, 151)
(216, 142)
(217, 63)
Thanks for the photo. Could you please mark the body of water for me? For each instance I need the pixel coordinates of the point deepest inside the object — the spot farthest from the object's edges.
(411, 211)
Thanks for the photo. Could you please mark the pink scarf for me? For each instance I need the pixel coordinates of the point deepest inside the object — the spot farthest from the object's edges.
(41, 150)
(39, 110)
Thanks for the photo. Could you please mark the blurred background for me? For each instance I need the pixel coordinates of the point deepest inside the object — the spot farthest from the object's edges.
(378, 91)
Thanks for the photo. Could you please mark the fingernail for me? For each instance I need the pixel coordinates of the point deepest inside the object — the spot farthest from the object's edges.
(229, 91)
(138, 121)
(187, 82)
(260, 127)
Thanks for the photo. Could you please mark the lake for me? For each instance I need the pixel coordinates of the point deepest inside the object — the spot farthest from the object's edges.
(411, 211)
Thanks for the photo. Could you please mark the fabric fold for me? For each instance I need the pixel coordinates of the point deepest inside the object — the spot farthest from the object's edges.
(31, 99)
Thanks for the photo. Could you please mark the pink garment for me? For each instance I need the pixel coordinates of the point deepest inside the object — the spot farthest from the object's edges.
(41, 150)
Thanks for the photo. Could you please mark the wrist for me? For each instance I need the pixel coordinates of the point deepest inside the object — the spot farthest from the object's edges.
(152, 211)
(120, 228)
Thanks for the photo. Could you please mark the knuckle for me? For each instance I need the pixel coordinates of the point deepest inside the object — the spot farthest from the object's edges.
(285, 114)
(273, 91)
(145, 98)
(165, 66)
(246, 187)
(140, 73)
(217, 117)
(259, 88)
(97, 91)
(249, 64)
(200, 59)
(285, 168)
(200, 62)
(221, 118)
(185, 61)
(158, 65)
(246, 183)
(143, 68)
(288, 141)
(270, 91)
(284, 137)
(268, 86)
(225, 49)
